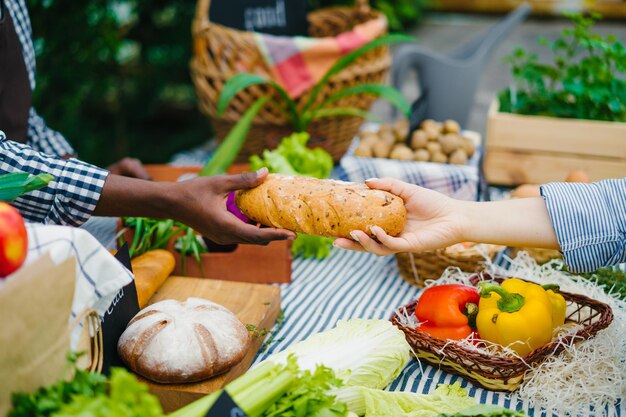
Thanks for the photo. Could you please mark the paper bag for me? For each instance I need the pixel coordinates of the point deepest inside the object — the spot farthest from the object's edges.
(35, 305)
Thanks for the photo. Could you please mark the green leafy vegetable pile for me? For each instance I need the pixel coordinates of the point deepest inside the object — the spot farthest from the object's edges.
(586, 80)
(153, 234)
(292, 157)
(612, 279)
(89, 395)
(47, 401)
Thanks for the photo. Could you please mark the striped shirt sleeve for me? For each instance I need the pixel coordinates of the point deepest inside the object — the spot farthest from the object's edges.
(68, 200)
(589, 221)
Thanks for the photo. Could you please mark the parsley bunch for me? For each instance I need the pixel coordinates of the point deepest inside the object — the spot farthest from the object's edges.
(586, 80)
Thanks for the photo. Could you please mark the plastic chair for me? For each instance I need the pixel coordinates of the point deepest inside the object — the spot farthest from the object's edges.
(451, 80)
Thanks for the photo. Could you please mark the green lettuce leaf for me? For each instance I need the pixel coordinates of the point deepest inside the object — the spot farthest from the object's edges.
(127, 397)
(376, 403)
(292, 157)
(369, 353)
(310, 246)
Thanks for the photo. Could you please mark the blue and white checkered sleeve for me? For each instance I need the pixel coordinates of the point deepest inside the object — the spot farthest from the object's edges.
(44, 139)
(589, 221)
(68, 200)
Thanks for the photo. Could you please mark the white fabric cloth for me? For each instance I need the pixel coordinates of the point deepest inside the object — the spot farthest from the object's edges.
(99, 276)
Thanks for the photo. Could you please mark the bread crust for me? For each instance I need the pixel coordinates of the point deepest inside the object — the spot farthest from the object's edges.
(321, 207)
(181, 342)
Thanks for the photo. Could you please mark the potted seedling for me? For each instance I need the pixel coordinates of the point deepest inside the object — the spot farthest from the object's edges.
(565, 115)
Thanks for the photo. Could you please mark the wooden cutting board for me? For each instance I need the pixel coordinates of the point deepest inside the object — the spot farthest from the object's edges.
(254, 304)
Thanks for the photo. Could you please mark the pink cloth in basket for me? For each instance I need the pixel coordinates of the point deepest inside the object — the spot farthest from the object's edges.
(299, 62)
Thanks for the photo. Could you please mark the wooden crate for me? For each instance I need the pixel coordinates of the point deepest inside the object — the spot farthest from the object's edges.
(608, 8)
(532, 149)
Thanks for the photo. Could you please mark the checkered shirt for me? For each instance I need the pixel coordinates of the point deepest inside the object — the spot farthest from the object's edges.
(68, 200)
(40, 136)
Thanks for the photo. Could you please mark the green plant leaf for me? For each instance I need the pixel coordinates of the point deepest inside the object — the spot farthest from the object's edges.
(242, 81)
(236, 84)
(352, 56)
(384, 91)
(230, 147)
(15, 184)
(342, 111)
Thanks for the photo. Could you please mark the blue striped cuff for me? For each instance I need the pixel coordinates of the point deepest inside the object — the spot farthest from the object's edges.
(589, 221)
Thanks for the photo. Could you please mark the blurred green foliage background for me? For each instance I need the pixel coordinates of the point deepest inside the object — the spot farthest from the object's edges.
(113, 75)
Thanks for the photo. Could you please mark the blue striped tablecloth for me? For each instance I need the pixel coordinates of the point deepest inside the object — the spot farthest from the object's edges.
(361, 285)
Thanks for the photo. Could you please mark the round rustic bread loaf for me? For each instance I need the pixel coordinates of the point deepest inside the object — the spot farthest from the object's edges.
(178, 342)
(321, 207)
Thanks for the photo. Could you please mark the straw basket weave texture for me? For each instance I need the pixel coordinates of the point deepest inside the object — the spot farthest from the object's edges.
(221, 52)
(415, 268)
(502, 373)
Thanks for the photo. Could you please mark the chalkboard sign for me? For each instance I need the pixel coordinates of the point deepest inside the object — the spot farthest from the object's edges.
(276, 17)
(225, 407)
(121, 311)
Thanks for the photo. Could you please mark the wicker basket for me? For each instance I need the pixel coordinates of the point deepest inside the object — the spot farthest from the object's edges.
(221, 52)
(498, 373)
(415, 268)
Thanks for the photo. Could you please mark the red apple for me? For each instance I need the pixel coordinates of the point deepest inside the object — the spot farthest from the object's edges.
(13, 240)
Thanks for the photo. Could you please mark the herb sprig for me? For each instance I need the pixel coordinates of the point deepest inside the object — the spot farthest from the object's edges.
(586, 80)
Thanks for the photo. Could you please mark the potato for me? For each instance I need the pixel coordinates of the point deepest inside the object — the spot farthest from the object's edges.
(439, 157)
(526, 191)
(458, 157)
(419, 139)
(432, 133)
(401, 129)
(451, 126)
(449, 143)
(422, 155)
(428, 124)
(468, 146)
(369, 138)
(385, 128)
(402, 152)
(364, 149)
(381, 149)
(577, 176)
(433, 148)
(387, 137)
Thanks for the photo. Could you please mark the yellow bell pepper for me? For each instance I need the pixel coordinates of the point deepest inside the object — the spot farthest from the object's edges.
(559, 306)
(518, 314)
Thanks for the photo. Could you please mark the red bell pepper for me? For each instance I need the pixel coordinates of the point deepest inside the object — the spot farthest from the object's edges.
(448, 311)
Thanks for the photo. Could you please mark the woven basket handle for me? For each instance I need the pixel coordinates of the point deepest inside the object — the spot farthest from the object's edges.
(95, 356)
(202, 11)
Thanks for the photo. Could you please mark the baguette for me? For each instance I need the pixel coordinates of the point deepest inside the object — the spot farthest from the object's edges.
(151, 270)
(321, 207)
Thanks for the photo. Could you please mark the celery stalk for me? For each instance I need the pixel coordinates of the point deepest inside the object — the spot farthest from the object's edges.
(251, 377)
(255, 402)
(254, 391)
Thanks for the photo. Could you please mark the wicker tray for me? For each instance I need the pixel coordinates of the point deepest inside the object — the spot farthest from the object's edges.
(498, 373)
(219, 52)
(415, 268)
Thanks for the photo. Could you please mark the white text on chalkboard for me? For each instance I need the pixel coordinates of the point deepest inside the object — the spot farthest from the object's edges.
(259, 18)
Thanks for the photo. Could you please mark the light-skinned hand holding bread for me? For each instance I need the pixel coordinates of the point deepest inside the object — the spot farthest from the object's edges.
(436, 221)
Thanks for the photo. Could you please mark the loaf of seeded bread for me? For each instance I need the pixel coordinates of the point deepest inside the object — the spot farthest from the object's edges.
(321, 207)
